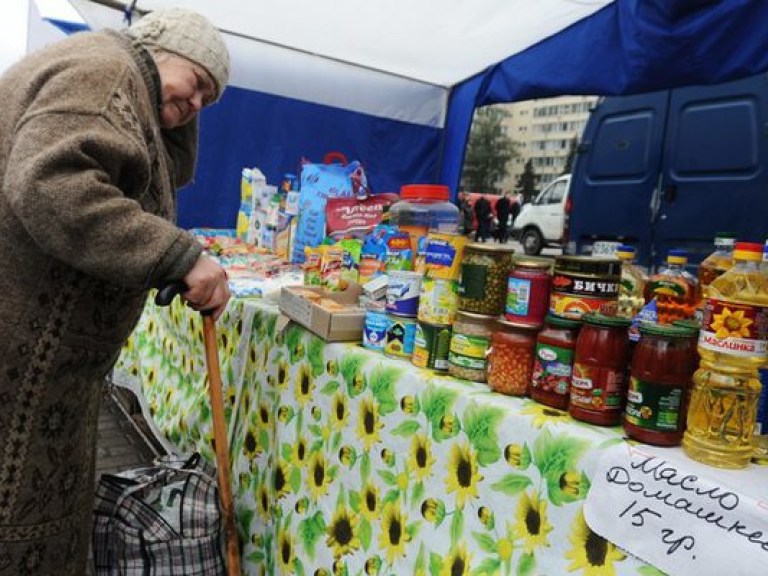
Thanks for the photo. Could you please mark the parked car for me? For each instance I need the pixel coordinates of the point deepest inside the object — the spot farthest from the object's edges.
(542, 222)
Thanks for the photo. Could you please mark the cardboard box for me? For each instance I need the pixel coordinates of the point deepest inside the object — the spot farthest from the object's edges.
(331, 326)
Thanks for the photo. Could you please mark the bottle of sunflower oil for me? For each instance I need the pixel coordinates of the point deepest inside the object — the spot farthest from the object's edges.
(732, 347)
(714, 265)
(717, 262)
(673, 288)
(760, 454)
(632, 284)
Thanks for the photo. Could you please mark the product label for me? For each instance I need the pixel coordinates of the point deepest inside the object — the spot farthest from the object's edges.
(663, 287)
(400, 337)
(734, 329)
(468, 351)
(439, 301)
(654, 406)
(473, 281)
(375, 330)
(574, 307)
(403, 294)
(518, 296)
(552, 369)
(597, 388)
(585, 287)
(430, 348)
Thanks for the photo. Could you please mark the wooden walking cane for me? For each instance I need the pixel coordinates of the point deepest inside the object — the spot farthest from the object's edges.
(164, 297)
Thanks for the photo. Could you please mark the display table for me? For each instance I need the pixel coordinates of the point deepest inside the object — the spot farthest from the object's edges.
(349, 462)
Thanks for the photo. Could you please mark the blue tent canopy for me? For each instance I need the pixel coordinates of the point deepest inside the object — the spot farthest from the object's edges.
(395, 84)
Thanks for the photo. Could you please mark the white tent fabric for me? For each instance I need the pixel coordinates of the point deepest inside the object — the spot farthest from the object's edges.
(440, 42)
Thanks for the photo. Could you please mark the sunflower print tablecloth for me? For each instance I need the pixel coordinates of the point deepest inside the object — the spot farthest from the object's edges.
(346, 462)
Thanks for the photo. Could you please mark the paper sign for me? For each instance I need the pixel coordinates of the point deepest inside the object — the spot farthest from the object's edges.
(669, 512)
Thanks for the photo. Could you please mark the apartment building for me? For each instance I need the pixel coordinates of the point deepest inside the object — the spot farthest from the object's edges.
(543, 130)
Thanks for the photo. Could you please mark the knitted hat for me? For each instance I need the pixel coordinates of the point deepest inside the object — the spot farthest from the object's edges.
(187, 34)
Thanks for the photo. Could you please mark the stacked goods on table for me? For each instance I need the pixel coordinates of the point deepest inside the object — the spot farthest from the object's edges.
(594, 336)
(672, 357)
(252, 271)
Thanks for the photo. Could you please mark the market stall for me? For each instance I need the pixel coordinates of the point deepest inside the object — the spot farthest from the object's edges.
(348, 462)
(342, 457)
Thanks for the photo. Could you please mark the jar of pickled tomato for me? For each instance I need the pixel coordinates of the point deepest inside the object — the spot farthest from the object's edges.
(598, 384)
(662, 368)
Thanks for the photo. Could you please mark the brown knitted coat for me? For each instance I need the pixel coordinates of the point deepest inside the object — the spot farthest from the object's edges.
(88, 180)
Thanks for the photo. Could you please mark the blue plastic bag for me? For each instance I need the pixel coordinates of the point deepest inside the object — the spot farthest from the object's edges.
(318, 183)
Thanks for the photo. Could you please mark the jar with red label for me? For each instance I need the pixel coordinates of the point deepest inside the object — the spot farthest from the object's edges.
(662, 368)
(553, 361)
(598, 383)
(584, 284)
(528, 291)
(510, 359)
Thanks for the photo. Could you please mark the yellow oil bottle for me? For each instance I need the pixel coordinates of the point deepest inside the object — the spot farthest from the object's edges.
(732, 347)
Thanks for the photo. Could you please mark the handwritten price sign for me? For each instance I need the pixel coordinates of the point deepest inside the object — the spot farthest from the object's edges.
(666, 511)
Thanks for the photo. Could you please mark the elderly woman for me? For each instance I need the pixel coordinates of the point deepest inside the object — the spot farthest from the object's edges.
(96, 134)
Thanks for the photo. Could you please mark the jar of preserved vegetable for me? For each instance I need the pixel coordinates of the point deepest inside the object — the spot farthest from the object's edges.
(510, 359)
(553, 361)
(484, 273)
(468, 351)
(662, 368)
(598, 384)
(528, 291)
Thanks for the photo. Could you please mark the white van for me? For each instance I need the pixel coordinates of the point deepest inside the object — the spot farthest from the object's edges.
(542, 222)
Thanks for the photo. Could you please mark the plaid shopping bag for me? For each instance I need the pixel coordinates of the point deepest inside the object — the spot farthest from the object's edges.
(159, 521)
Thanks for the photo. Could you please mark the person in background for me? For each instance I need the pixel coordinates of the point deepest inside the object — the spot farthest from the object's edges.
(96, 134)
(502, 215)
(467, 214)
(484, 216)
(515, 205)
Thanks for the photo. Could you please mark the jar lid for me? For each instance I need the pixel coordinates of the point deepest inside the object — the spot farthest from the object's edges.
(609, 321)
(490, 247)
(666, 330)
(561, 322)
(521, 325)
(425, 192)
(476, 317)
(530, 263)
(626, 252)
(677, 256)
(588, 265)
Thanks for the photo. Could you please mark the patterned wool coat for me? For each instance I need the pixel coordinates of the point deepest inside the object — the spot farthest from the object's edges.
(88, 180)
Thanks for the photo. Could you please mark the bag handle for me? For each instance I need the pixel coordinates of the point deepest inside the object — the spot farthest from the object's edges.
(335, 158)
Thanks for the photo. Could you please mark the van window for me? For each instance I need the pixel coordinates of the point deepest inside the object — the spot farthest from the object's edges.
(558, 191)
(552, 195)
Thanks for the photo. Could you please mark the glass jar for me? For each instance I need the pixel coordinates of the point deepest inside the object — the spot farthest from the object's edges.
(528, 288)
(598, 384)
(424, 208)
(510, 359)
(484, 272)
(662, 367)
(553, 362)
(468, 351)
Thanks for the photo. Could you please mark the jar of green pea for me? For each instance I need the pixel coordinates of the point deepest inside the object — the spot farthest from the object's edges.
(484, 272)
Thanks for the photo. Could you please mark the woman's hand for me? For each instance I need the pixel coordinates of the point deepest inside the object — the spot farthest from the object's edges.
(208, 287)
